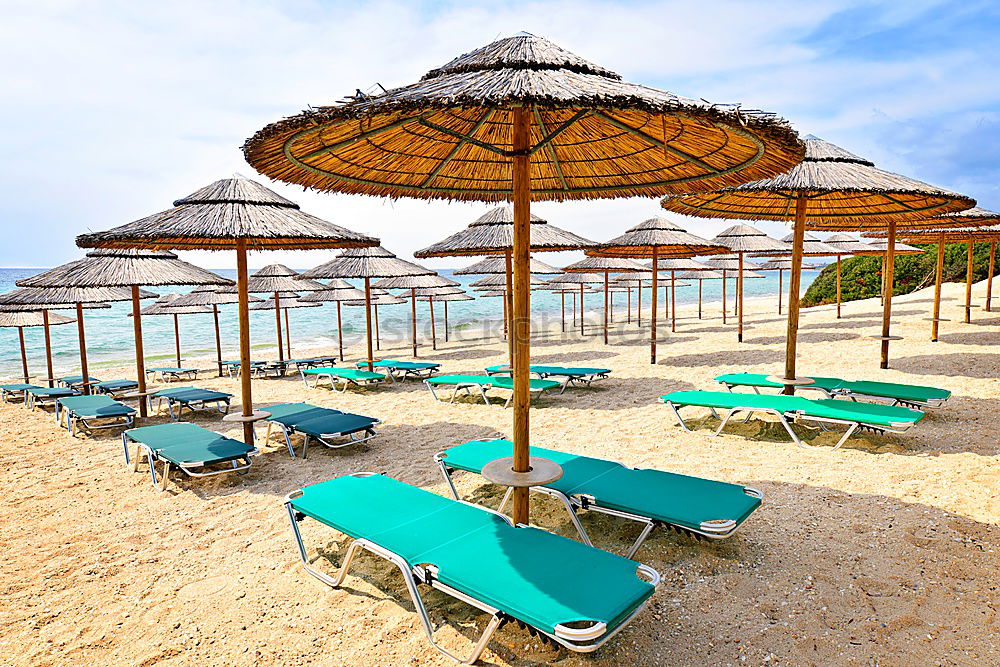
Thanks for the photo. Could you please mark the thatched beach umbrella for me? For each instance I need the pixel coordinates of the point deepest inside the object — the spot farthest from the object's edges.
(831, 190)
(700, 275)
(127, 268)
(656, 238)
(880, 248)
(847, 245)
(166, 305)
(375, 298)
(443, 296)
(280, 283)
(366, 264)
(605, 266)
(410, 285)
(498, 265)
(337, 291)
(729, 265)
(743, 239)
(672, 266)
(283, 301)
(232, 214)
(33, 318)
(562, 291)
(522, 119)
(580, 280)
(213, 298)
(987, 226)
(64, 298)
(782, 265)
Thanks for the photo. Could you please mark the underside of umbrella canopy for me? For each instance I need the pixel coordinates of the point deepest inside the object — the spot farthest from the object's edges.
(497, 264)
(125, 268)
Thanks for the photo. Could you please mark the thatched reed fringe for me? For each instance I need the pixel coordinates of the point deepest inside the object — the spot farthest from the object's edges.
(677, 264)
(209, 296)
(55, 297)
(493, 233)
(284, 302)
(594, 136)
(576, 279)
(881, 247)
(335, 294)
(371, 262)
(166, 305)
(846, 243)
(730, 263)
(602, 264)
(811, 247)
(124, 268)
(497, 264)
(279, 278)
(216, 216)
(748, 239)
(412, 282)
(974, 234)
(700, 274)
(845, 193)
(494, 280)
(32, 318)
(669, 240)
(379, 300)
(446, 297)
(783, 264)
(438, 291)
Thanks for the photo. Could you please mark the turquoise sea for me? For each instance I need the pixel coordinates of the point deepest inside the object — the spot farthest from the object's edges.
(109, 331)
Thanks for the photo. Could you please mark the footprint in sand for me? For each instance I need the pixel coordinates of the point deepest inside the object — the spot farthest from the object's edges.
(206, 587)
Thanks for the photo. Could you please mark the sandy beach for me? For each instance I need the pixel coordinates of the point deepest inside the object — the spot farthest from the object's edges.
(884, 552)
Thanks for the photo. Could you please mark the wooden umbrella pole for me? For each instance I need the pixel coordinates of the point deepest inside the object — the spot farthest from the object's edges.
(48, 349)
(340, 333)
(638, 305)
(243, 307)
(378, 335)
(882, 295)
(725, 304)
(989, 276)
(562, 299)
(521, 304)
(739, 298)
(611, 307)
(628, 311)
(666, 304)
(673, 301)
(508, 304)
(838, 287)
(446, 321)
(177, 339)
(368, 325)
(794, 279)
(83, 348)
(581, 309)
(434, 341)
(890, 261)
(700, 282)
(781, 288)
(970, 250)
(140, 356)
(277, 324)
(288, 336)
(652, 307)
(24, 355)
(938, 278)
(413, 320)
(606, 301)
(218, 338)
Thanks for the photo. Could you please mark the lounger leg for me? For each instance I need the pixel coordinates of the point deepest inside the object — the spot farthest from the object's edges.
(166, 476)
(677, 414)
(151, 461)
(288, 440)
(482, 392)
(795, 438)
(725, 421)
(642, 538)
(506, 497)
(305, 445)
(433, 393)
(447, 478)
(128, 459)
(847, 435)
(170, 408)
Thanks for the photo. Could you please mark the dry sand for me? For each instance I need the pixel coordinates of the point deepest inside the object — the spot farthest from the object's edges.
(882, 553)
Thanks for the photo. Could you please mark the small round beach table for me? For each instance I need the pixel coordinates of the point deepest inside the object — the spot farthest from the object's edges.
(540, 472)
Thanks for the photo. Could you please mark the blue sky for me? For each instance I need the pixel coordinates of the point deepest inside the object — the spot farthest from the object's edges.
(110, 110)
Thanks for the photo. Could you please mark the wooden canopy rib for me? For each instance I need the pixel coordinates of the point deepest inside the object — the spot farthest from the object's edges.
(549, 149)
(347, 142)
(550, 136)
(454, 151)
(465, 138)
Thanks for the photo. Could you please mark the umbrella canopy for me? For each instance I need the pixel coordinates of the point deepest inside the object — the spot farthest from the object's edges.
(783, 264)
(231, 214)
(730, 263)
(522, 119)
(447, 297)
(337, 291)
(281, 283)
(834, 190)
(678, 264)
(812, 246)
(605, 266)
(411, 284)
(286, 302)
(845, 243)
(125, 268)
(500, 281)
(33, 318)
(496, 264)
(167, 305)
(878, 247)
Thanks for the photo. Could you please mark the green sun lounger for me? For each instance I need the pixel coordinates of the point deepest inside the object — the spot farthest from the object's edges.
(93, 412)
(871, 416)
(570, 376)
(325, 425)
(172, 373)
(193, 399)
(115, 386)
(233, 367)
(35, 396)
(347, 377)
(652, 497)
(77, 381)
(17, 389)
(194, 450)
(400, 370)
(576, 595)
(482, 383)
(907, 395)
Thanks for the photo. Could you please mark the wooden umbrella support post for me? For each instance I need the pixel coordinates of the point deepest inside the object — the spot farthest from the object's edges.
(26, 376)
(368, 325)
(607, 293)
(739, 297)
(938, 278)
(989, 276)
(652, 308)
(890, 261)
(177, 340)
(446, 321)
(581, 309)
(794, 279)
(288, 336)
(84, 371)
(340, 333)
(781, 289)
(521, 357)
(562, 299)
(673, 301)
(725, 306)
(508, 305)
(277, 324)
(243, 307)
(970, 251)
(48, 351)
(218, 340)
(140, 357)
(434, 342)
(838, 287)
(413, 320)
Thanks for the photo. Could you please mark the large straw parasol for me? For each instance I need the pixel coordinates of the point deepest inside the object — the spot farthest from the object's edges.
(522, 119)
(785, 264)
(812, 246)
(580, 281)
(443, 296)
(605, 266)
(656, 238)
(33, 318)
(337, 291)
(231, 214)
(285, 301)
(880, 248)
(376, 297)
(831, 190)
(729, 264)
(167, 305)
(209, 296)
(743, 239)
(280, 283)
(700, 275)
(847, 245)
(676, 266)
(497, 264)
(411, 284)
(127, 268)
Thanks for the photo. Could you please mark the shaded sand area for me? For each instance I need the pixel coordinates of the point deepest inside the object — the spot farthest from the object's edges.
(885, 552)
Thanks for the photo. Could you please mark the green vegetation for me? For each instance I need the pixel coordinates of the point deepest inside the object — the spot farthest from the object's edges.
(861, 277)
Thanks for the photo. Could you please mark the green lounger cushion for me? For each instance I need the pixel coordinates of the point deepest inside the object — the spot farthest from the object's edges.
(345, 373)
(675, 499)
(18, 387)
(542, 579)
(191, 394)
(184, 443)
(553, 370)
(912, 393)
(76, 379)
(869, 414)
(171, 369)
(318, 421)
(499, 382)
(95, 406)
(116, 385)
(401, 365)
(51, 392)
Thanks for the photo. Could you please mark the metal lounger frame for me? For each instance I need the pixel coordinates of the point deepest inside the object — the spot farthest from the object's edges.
(23, 392)
(416, 373)
(853, 396)
(354, 439)
(583, 640)
(796, 416)
(188, 469)
(568, 381)
(72, 417)
(467, 387)
(176, 376)
(347, 382)
(712, 529)
(222, 405)
(31, 400)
